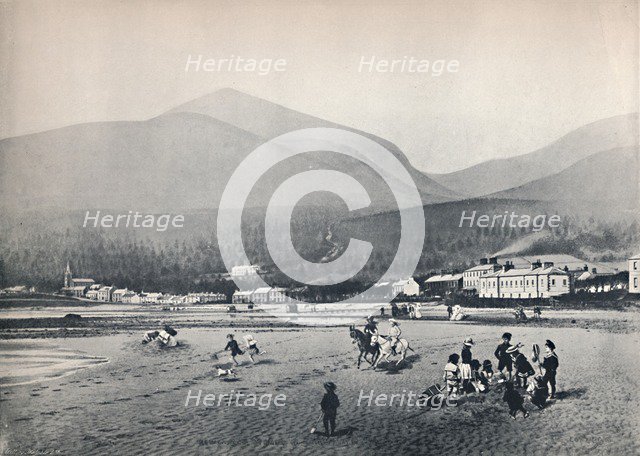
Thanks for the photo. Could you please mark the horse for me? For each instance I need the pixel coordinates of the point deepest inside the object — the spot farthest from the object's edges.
(364, 345)
(385, 348)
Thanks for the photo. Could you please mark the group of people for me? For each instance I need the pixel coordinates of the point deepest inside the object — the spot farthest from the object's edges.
(251, 347)
(464, 374)
(393, 332)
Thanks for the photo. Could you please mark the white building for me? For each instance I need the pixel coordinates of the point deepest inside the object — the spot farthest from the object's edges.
(92, 294)
(537, 281)
(261, 295)
(408, 287)
(105, 293)
(117, 295)
(634, 274)
(244, 270)
(242, 297)
(471, 277)
(152, 298)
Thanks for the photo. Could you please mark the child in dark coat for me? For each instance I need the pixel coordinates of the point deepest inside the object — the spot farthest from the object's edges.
(539, 392)
(550, 365)
(232, 345)
(329, 406)
(514, 400)
(504, 359)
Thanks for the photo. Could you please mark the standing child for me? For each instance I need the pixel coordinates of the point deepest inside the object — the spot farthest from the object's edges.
(550, 364)
(233, 346)
(522, 367)
(514, 400)
(452, 374)
(504, 359)
(465, 364)
(329, 406)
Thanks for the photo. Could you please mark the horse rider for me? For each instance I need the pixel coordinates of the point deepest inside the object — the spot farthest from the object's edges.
(371, 327)
(394, 334)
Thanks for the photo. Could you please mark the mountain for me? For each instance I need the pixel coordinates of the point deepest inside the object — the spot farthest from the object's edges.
(180, 160)
(502, 174)
(611, 176)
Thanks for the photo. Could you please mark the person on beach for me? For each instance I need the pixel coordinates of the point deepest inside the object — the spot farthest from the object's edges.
(381, 311)
(486, 373)
(251, 346)
(465, 364)
(538, 391)
(550, 364)
(522, 368)
(504, 359)
(452, 374)
(514, 400)
(232, 345)
(329, 407)
(450, 311)
(371, 327)
(394, 334)
(537, 313)
(477, 381)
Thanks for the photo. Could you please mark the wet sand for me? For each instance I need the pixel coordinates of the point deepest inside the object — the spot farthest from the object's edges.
(135, 404)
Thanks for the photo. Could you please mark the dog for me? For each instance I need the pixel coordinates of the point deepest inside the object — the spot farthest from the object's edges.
(226, 372)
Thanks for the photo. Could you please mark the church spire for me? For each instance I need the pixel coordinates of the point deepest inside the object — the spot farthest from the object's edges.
(68, 277)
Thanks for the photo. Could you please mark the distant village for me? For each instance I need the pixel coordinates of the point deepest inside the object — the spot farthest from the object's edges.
(518, 277)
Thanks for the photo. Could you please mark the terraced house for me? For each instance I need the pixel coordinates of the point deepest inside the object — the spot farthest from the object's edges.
(541, 280)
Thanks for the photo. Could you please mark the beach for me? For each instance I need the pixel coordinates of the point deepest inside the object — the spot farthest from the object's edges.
(138, 402)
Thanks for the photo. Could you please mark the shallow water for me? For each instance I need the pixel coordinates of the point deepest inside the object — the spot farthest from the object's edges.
(29, 362)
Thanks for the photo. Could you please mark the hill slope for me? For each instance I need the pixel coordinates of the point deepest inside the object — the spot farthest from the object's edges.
(502, 174)
(180, 160)
(606, 176)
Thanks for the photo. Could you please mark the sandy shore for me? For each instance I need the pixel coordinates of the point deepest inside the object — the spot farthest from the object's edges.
(135, 404)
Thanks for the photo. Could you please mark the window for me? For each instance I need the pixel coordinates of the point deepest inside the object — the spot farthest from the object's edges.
(635, 282)
(635, 265)
(553, 281)
(564, 281)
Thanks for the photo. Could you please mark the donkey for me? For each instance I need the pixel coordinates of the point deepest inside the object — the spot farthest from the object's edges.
(364, 345)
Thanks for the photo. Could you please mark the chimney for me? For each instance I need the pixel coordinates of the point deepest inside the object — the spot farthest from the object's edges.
(547, 264)
(493, 260)
(585, 268)
(507, 266)
(536, 265)
(483, 261)
(594, 270)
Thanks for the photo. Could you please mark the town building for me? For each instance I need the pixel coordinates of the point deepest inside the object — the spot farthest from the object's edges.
(92, 294)
(244, 270)
(443, 283)
(118, 294)
(152, 298)
(634, 274)
(77, 291)
(540, 280)
(408, 287)
(70, 281)
(471, 277)
(261, 295)
(242, 297)
(105, 293)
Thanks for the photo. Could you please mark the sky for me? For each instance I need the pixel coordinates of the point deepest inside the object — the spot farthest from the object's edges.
(526, 72)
